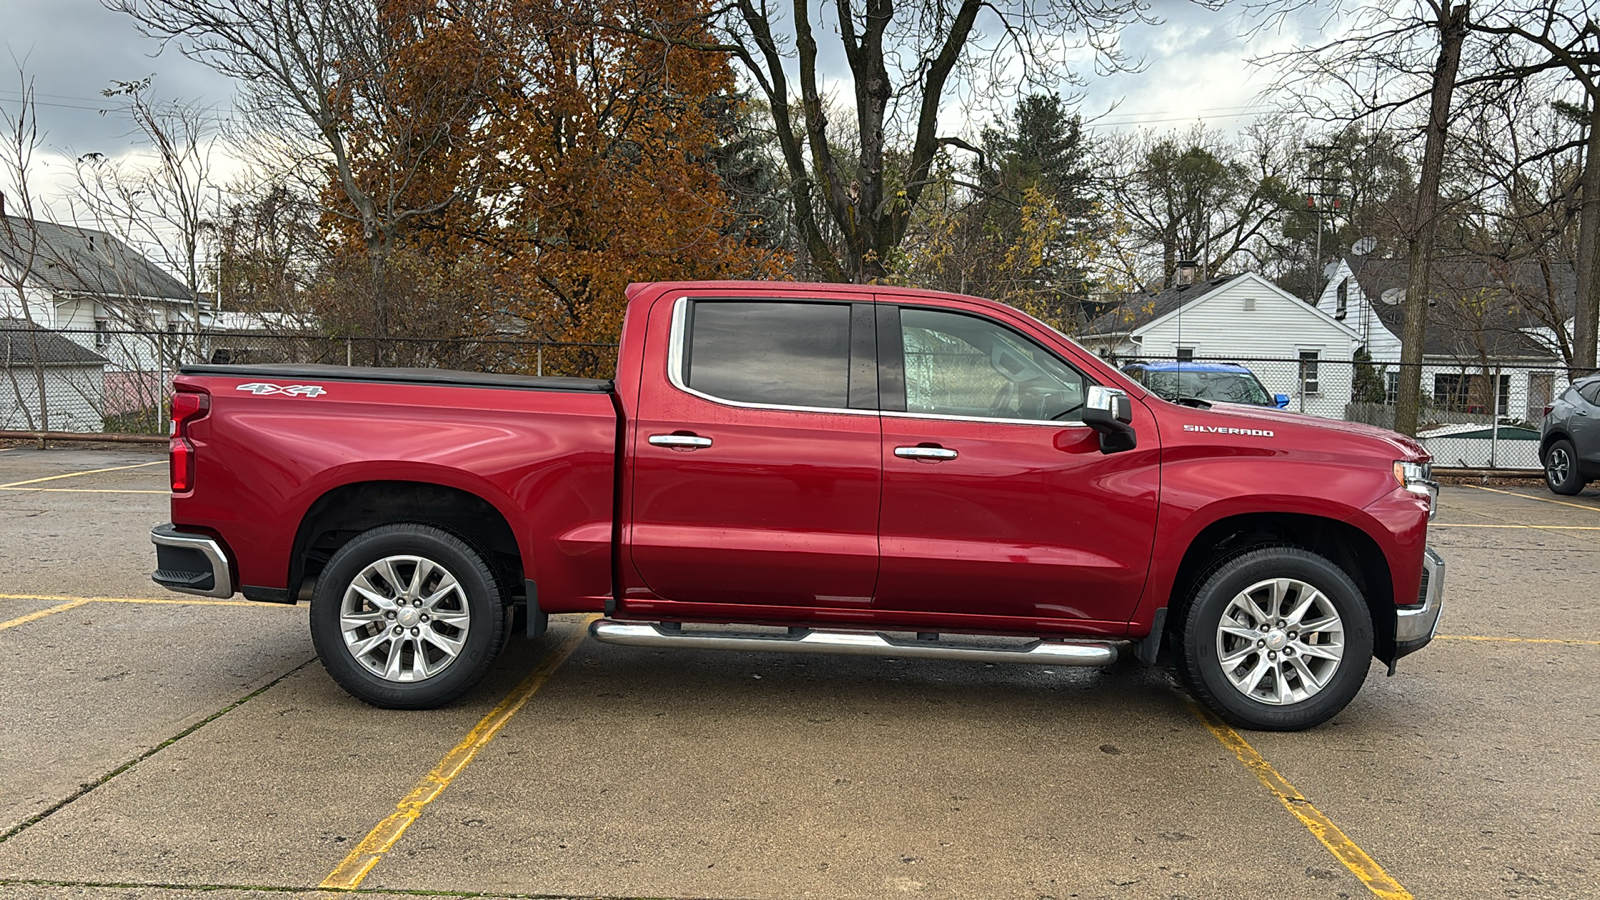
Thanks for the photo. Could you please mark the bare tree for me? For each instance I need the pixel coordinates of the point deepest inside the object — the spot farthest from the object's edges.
(1558, 35)
(1197, 195)
(22, 141)
(905, 61)
(329, 79)
(157, 204)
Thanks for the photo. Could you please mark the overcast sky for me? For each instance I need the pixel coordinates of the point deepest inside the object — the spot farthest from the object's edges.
(73, 49)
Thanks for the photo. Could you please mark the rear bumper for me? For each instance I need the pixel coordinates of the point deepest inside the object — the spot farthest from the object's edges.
(190, 563)
(1415, 624)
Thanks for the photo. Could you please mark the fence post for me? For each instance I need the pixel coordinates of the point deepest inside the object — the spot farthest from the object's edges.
(1494, 417)
(539, 369)
(349, 353)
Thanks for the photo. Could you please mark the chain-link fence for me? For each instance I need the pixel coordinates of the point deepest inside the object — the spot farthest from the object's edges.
(1474, 415)
(104, 381)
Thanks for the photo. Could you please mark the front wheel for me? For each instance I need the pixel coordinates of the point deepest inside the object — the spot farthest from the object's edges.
(407, 616)
(1276, 639)
(1561, 468)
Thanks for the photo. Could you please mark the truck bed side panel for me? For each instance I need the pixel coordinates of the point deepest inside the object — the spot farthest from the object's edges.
(543, 458)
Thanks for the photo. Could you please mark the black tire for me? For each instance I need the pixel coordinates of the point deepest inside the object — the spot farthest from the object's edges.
(1303, 660)
(473, 608)
(1561, 468)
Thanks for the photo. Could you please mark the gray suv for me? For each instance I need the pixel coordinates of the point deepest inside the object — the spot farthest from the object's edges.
(1569, 447)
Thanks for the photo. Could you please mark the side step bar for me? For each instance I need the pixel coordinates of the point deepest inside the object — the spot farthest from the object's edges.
(853, 643)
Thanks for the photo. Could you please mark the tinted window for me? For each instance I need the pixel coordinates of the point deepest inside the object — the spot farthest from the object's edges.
(959, 365)
(788, 354)
(1591, 392)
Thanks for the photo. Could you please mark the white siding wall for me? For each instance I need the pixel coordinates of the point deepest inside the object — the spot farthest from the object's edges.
(75, 396)
(1222, 325)
(1383, 344)
(39, 305)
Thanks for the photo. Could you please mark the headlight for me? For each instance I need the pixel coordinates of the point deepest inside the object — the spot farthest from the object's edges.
(1417, 478)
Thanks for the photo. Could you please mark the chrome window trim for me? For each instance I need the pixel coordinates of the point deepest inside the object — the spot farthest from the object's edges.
(1045, 423)
(675, 341)
(680, 316)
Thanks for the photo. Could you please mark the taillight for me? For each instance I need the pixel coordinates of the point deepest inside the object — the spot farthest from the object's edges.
(1548, 407)
(187, 406)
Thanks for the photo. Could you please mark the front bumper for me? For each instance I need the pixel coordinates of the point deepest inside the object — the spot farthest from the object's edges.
(190, 563)
(1415, 624)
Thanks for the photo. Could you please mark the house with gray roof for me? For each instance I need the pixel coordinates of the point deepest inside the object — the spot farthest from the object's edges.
(98, 292)
(48, 382)
(1237, 318)
(1494, 333)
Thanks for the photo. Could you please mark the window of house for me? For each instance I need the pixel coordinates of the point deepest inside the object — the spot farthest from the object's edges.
(1450, 390)
(960, 365)
(1185, 354)
(781, 354)
(1341, 295)
(1310, 382)
(102, 334)
(1391, 387)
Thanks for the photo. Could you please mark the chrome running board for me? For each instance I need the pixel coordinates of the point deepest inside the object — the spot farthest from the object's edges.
(854, 643)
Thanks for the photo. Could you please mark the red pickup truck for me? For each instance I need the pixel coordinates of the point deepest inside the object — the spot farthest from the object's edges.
(808, 468)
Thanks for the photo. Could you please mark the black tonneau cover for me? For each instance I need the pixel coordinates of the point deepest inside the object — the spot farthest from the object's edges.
(449, 377)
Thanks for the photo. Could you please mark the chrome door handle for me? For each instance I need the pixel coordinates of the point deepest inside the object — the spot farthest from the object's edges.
(924, 453)
(680, 441)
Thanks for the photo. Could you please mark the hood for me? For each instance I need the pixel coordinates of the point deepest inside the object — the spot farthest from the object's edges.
(1407, 448)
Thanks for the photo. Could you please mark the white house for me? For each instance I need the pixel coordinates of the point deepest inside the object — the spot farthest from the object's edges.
(37, 363)
(94, 289)
(1483, 330)
(1238, 318)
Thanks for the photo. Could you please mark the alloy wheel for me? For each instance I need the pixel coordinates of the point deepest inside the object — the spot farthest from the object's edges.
(1280, 641)
(404, 618)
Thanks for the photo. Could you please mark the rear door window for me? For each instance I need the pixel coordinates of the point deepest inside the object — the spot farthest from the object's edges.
(771, 354)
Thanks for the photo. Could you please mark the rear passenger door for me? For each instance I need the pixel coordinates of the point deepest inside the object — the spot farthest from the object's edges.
(755, 460)
(1585, 426)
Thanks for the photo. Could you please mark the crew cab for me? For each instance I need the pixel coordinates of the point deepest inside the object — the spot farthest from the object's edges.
(828, 468)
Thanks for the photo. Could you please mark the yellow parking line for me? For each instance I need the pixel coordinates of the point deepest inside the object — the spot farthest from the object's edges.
(1537, 527)
(350, 872)
(1512, 640)
(1479, 487)
(23, 620)
(1345, 850)
(78, 490)
(175, 601)
(159, 462)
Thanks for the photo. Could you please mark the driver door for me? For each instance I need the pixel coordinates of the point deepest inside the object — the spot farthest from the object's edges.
(997, 501)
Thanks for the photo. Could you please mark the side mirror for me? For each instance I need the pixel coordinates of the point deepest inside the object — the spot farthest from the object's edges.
(1110, 412)
(1282, 400)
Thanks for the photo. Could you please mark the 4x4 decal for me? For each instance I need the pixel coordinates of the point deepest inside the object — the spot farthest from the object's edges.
(262, 389)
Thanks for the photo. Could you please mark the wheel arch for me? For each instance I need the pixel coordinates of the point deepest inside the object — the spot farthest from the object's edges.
(1551, 438)
(342, 512)
(1343, 544)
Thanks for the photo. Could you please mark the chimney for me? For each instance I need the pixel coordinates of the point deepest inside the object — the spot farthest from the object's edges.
(1187, 272)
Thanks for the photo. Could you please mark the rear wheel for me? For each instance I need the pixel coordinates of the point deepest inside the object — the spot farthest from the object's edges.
(1276, 639)
(407, 616)
(1561, 468)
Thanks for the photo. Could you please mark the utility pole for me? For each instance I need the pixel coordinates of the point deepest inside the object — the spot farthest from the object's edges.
(1324, 178)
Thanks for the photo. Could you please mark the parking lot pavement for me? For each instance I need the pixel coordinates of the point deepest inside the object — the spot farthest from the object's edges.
(648, 773)
(62, 534)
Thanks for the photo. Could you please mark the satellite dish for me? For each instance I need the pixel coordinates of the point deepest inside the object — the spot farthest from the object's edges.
(1393, 296)
(1364, 246)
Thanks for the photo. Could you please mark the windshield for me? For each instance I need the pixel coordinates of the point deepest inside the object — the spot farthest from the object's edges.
(1219, 387)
